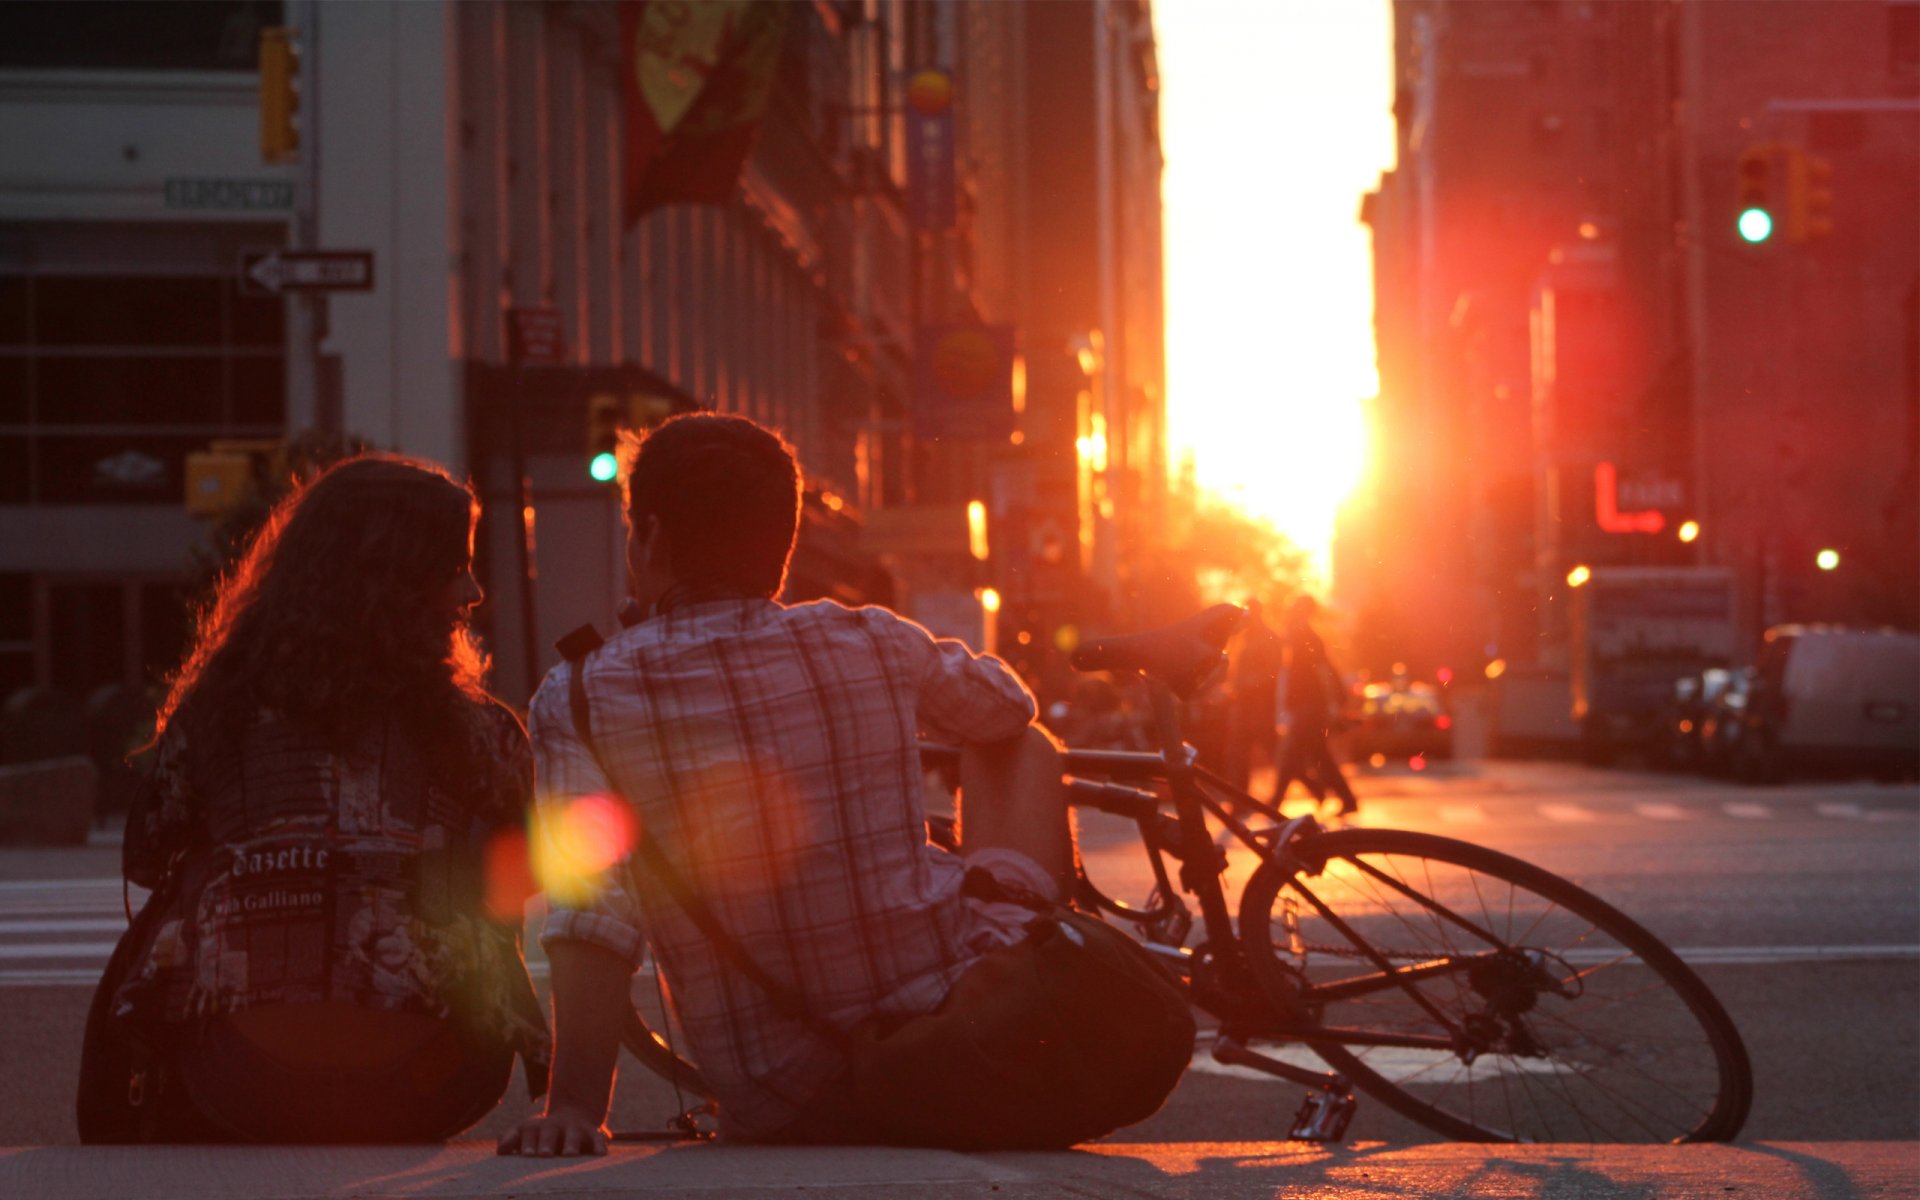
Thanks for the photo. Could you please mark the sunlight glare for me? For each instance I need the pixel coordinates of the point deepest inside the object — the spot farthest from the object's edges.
(1277, 118)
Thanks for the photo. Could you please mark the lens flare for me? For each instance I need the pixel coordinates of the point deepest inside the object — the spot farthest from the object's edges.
(579, 841)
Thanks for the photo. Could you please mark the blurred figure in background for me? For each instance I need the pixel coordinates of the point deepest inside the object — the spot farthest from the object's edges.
(1253, 680)
(1313, 693)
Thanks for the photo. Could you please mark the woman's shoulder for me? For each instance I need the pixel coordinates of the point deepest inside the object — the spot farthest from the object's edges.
(504, 732)
(501, 716)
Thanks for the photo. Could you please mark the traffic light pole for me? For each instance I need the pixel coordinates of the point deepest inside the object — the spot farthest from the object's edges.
(524, 558)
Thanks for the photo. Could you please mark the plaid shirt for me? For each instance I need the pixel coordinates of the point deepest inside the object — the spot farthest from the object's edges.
(770, 752)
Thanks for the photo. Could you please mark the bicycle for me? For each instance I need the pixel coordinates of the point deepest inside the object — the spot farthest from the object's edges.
(1474, 993)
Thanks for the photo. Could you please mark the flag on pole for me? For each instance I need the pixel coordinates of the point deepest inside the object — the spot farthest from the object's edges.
(697, 78)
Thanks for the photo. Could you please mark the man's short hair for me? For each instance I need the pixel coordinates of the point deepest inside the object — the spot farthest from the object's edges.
(726, 491)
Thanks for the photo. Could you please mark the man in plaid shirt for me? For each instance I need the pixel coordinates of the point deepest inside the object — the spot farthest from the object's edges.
(770, 753)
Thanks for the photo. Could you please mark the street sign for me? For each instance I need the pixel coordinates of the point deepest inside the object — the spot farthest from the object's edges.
(537, 337)
(274, 272)
(236, 194)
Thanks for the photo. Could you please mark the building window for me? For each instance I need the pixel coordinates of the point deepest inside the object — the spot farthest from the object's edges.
(1602, 129)
(1549, 133)
(116, 363)
(135, 35)
(1903, 45)
(16, 632)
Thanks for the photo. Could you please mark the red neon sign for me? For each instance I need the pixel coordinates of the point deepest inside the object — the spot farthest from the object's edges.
(1606, 505)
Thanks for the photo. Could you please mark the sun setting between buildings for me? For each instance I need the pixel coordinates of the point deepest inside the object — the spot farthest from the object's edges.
(1277, 118)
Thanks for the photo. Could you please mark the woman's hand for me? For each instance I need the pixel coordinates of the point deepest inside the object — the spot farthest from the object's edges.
(563, 1133)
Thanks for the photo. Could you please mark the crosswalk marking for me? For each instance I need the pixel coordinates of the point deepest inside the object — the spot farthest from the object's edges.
(1747, 811)
(60, 932)
(1462, 814)
(79, 925)
(1572, 814)
(1841, 810)
(1661, 811)
(100, 950)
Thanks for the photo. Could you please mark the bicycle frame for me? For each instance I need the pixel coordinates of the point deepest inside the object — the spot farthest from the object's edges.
(1216, 972)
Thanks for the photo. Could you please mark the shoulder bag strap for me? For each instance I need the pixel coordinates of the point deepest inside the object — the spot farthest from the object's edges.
(784, 997)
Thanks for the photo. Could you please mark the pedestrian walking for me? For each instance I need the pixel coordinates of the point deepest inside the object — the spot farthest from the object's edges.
(1253, 682)
(1313, 692)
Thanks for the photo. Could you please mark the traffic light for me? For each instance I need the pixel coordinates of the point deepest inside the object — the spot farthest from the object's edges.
(1753, 218)
(279, 95)
(606, 417)
(1809, 196)
(219, 478)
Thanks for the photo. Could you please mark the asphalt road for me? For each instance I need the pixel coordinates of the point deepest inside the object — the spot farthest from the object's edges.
(1800, 905)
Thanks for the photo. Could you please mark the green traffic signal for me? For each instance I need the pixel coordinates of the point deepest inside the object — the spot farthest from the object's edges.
(604, 466)
(1755, 225)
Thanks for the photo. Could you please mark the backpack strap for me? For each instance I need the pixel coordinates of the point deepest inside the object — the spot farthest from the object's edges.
(784, 997)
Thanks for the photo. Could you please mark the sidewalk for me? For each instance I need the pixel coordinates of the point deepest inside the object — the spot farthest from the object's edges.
(1203, 1171)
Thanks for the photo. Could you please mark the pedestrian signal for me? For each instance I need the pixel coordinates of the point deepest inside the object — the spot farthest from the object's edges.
(1809, 197)
(279, 95)
(1754, 208)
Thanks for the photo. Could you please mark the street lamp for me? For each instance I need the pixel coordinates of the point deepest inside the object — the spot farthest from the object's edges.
(1827, 560)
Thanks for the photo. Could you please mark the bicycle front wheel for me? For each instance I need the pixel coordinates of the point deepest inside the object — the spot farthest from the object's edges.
(1547, 1014)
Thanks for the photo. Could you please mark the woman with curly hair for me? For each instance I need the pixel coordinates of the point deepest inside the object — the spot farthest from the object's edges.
(335, 832)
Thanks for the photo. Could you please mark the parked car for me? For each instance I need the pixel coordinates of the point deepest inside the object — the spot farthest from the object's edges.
(1401, 720)
(1827, 700)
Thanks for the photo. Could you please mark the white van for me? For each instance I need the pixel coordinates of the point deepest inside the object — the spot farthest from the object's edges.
(1833, 701)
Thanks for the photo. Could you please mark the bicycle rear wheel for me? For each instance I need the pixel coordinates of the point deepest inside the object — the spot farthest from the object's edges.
(1568, 1020)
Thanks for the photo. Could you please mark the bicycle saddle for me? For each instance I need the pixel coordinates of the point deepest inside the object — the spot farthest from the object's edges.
(1180, 656)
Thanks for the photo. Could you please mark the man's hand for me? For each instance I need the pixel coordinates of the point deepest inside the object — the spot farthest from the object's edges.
(590, 1003)
(564, 1134)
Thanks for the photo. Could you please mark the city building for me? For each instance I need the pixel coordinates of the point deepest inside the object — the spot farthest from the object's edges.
(1580, 355)
(499, 309)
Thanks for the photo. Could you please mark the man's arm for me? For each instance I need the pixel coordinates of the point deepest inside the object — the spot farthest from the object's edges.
(593, 945)
(965, 697)
(590, 1004)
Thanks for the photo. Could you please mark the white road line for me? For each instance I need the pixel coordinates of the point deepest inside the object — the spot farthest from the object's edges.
(52, 977)
(82, 925)
(1462, 814)
(1722, 955)
(29, 885)
(99, 950)
(1661, 811)
(1569, 814)
(1747, 811)
(1841, 811)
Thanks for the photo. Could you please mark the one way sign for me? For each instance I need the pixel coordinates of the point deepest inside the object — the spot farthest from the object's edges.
(273, 272)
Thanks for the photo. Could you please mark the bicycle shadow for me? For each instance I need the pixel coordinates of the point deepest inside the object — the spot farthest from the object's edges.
(1829, 1180)
(1377, 1171)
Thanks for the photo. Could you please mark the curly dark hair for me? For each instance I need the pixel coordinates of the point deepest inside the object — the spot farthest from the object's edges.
(726, 490)
(334, 614)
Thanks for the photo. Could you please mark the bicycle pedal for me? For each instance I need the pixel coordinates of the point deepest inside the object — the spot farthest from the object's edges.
(1323, 1117)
